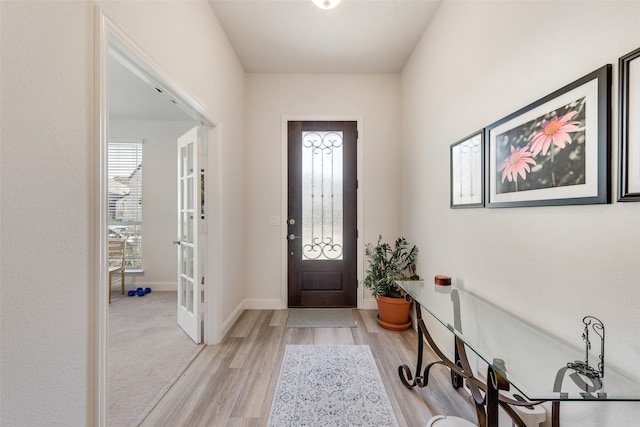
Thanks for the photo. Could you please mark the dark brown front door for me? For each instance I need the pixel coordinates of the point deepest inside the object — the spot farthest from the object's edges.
(321, 226)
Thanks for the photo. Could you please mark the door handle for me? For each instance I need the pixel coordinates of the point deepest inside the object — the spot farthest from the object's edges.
(293, 237)
(176, 242)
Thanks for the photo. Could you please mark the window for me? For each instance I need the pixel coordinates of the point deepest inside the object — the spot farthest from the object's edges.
(322, 198)
(124, 165)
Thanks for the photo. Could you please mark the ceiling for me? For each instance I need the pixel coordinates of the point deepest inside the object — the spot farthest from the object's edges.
(131, 98)
(293, 36)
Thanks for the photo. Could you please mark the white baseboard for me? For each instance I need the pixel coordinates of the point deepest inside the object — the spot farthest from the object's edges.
(132, 282)
(155, 286)
(369, 304)
(263, 304)
(276, 304)
(271, 304)
(233, 317)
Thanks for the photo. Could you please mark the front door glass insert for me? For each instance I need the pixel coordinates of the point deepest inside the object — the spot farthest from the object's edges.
(322, 197)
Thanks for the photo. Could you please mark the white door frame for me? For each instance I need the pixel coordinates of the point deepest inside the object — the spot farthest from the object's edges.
(110, 39)
(284, 249)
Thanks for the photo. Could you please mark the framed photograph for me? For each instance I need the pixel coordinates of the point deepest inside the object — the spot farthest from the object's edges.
(629, 128)
(467, 174)
(555, 151)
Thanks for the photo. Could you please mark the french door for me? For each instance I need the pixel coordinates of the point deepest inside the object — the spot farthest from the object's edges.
(322, 218)
(190, 213)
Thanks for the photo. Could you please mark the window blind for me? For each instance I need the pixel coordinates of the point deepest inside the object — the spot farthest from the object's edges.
(124, 169)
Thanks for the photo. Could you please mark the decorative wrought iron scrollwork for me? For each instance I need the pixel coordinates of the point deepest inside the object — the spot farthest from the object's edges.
(322, 250)
(322, 230)
(582, 369)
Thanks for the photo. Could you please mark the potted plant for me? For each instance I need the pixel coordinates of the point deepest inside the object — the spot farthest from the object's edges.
(386, 265)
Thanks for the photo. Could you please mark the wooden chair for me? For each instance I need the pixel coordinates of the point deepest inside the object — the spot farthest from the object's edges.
(116, 263)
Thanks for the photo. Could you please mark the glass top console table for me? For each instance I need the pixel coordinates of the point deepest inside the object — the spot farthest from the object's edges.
(540, 367)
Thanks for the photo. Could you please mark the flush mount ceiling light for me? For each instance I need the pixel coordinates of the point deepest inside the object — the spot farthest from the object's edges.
(326, 4)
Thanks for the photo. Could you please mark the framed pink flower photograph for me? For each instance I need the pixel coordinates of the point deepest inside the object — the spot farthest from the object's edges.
(555, 151)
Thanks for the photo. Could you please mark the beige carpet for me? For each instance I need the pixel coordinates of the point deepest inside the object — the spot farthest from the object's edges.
(147, 354)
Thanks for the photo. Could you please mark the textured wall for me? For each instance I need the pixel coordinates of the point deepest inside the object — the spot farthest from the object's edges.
(47, 175)
(46, 249)
(270, 97)
(478, 62)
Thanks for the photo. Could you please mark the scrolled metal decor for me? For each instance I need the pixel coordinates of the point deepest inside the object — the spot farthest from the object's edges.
(582, 369)
(327, 245)
(324, 250)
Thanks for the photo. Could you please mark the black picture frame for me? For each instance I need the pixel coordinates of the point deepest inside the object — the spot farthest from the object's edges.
(561, 143)
(466, 160)
(629, 130)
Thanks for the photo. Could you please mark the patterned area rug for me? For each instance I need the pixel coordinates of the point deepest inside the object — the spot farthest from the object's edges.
(321, 318)
(334, 385)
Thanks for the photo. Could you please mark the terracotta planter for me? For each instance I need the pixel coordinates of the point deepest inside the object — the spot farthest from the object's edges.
(393, 313)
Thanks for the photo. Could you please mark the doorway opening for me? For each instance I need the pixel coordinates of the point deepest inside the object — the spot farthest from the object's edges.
(322, 218)
(114, 43)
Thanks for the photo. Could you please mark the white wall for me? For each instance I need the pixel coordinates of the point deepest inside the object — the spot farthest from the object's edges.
(47, 175)
(159, 212)
(478, 62)
(45, 296)
(270, 97)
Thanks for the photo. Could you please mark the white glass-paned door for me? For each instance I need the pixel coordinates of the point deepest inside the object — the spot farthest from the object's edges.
(189, 197)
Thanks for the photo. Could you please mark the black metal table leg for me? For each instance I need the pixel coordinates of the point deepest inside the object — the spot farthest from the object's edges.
(486, 396)
(456, 380)
(404, 371)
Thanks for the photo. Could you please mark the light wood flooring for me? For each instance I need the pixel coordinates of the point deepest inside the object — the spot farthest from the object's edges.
(233, 383)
